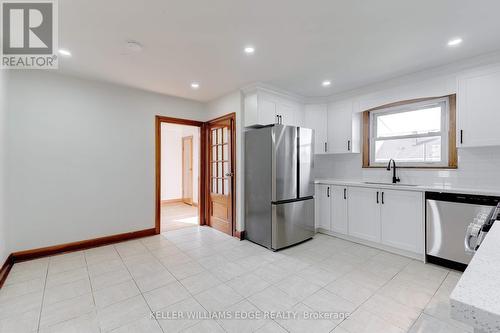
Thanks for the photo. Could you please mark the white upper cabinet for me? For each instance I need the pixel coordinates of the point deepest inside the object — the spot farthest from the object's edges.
(263, 108)
(478, 108)
(364, 213)
(401, 216)
(344, 128)
(316, 118)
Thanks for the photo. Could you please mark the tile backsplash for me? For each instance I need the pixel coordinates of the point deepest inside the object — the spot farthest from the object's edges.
(477, 168)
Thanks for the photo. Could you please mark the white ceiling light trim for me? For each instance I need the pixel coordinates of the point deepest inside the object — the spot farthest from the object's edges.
(195, 85)
(455, 41)
(64, 52)
(326, 83)
(249, 49)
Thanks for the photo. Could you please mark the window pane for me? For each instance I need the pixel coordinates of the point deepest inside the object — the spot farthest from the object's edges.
(214, 170)
(411, 122)
(219, 153)
(219, 184)
(219, 166)
(214, 136)
(226, 153)
(417, 150)
(219, 135)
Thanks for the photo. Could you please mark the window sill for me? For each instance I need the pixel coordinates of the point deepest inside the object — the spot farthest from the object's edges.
(415, 167)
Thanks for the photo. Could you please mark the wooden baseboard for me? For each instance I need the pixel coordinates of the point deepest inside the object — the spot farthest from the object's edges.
(171, 201)
(240, 234)
(6, 267)
(80, 245)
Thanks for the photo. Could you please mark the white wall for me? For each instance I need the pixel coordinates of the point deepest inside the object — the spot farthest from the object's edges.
(81, 158)
(224, 105)
(171, 162)
(172, 134)
(4, 246)
(477, 167)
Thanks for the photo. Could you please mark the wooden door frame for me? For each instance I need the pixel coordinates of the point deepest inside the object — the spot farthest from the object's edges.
(202, 184)
(206, 191)
(188, 137)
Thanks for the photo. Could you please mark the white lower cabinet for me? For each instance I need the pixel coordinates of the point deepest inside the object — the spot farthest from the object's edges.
(331, 208)
(401, 217)
(392, 218)
(364, 213)
(338, 205)
(323, 207)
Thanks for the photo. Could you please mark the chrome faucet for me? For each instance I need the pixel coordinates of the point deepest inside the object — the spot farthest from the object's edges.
(394, 178)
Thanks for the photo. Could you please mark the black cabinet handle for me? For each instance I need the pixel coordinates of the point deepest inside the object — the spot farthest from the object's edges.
(348, 145)
(345, 194)
(377, 197)
(326, 147)
(461, 136)
(383, 198)
(328, 191)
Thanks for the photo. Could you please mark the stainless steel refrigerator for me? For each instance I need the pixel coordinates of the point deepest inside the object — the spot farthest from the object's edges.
(279, 185)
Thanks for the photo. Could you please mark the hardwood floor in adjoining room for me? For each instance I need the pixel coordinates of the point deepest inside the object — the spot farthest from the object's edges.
(178, 215)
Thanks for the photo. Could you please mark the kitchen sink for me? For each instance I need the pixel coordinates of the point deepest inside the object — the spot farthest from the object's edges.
(375, 183)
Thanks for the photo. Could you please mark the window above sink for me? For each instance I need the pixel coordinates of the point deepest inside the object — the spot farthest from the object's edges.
(416, 134)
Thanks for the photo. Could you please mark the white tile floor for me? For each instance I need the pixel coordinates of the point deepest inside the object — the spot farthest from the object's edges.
(115, 288)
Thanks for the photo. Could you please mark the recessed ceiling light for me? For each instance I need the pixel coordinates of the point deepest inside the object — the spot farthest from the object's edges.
(195, 85)
(455, 42)
(64, 52)
(249, 50)
(326, 83)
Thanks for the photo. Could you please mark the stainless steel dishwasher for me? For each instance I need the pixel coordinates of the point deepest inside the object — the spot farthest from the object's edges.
(447, 217)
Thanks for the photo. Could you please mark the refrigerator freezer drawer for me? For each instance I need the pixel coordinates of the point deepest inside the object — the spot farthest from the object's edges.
(292, 222)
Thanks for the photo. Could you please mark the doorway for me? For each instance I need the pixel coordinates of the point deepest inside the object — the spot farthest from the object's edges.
(206, 172)
(179, 195)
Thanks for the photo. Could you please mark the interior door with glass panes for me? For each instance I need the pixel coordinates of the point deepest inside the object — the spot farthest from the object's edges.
(220, 143)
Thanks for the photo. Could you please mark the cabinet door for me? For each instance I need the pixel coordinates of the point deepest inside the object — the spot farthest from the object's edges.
(364, 213)
(339, 128)
(267, 111)
(287, 114)
(316, 118)
(323, 207)
(478, 109)
(339, 209)
(401, 216)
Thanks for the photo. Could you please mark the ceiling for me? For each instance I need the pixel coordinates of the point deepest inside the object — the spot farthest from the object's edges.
(298, 43)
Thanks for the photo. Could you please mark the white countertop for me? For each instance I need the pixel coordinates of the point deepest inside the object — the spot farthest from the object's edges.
(419, 188)
(476, 298)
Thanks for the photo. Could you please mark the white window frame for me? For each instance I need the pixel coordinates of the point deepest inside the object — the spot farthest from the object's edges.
(445, 116)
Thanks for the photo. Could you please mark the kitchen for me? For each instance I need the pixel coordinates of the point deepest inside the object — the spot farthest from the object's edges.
(422, 212)
(340, 173)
